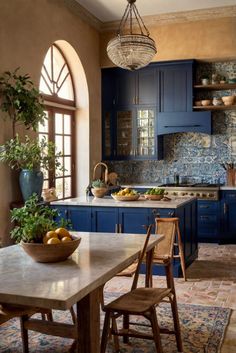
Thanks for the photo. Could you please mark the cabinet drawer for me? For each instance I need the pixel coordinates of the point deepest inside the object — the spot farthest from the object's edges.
(163, 212)
(205, 207)
(230, 195)
(207, 218)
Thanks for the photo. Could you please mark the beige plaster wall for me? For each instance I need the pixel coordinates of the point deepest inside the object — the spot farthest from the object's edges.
(204, 40)
(27, 29)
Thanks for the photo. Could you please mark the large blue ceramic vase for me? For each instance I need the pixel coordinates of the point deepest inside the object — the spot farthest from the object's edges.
(31, 181)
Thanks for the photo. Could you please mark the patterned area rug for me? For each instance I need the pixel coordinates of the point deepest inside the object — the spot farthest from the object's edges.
(202, 328)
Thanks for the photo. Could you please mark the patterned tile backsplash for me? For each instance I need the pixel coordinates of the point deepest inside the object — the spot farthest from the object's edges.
(195, 157)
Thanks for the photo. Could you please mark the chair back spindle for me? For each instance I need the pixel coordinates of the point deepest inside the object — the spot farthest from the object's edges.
(141, 257)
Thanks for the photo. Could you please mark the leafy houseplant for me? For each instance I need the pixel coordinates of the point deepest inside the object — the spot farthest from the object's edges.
(33, 221)
(21, 100)
(30, 156)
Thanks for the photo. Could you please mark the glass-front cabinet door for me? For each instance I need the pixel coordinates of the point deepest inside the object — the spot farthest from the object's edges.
(124, 133)
(145, 132)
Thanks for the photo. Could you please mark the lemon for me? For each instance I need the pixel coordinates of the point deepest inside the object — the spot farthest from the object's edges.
(62, 232)
(49, 235)
(53, 241)
(65, 239)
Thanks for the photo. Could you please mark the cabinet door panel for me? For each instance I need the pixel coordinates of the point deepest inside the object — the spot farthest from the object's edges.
(124, 133)
(80, 218)
(125, 88)
(148, 86)
(132, 220)
(176, 88)
(104, 219)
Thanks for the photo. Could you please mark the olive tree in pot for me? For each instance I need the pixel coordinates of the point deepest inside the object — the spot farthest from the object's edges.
(31, 157)
(23, 103)
(21, 100)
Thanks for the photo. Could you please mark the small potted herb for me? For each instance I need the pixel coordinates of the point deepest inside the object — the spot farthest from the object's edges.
(99, 188)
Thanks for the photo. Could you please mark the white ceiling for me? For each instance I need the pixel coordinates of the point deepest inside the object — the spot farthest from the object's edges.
(112, 10)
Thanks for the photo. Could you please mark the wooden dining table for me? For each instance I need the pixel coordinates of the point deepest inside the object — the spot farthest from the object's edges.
(78, 280)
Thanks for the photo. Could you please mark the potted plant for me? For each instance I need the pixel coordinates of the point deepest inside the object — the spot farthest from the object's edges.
(33, 221)
(99, 188)
(41, 235)
(21, 100)
(31, 157)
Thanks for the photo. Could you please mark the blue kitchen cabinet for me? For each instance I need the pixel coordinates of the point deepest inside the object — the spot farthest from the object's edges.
(81, 218)
(136, 87)
(208, 221)
(63, 213)
(228, 217)
(176, 86)
(105, 219)
(133, 219)
(129, 119)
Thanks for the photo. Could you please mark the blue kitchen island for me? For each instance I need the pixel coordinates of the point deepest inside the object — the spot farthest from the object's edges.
(107, 215)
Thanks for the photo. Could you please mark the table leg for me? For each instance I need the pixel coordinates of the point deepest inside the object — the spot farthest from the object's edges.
(88, 314)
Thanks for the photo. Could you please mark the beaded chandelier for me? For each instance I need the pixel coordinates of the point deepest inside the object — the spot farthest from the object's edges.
(131, 50)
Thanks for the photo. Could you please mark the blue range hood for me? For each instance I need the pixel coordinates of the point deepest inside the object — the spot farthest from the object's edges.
(170, 123)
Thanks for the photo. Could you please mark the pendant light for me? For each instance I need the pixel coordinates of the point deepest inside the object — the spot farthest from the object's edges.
(132, 48)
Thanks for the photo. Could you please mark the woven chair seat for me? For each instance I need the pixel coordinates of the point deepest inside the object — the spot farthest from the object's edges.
(138, 300)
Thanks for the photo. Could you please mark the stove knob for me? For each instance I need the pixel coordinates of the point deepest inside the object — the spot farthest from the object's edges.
(175, 193)
(191, 194)
(183, 193)
(197, 194)
(210, 195)
(204, 195)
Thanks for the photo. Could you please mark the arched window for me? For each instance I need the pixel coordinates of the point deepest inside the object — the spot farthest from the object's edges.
(56, 86)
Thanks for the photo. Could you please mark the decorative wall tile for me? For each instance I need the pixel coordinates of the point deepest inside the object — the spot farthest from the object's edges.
(195, 157)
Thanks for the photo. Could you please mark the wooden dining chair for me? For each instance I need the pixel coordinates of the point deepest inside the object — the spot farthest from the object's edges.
(8, 312)
(166, 249)
(140, 302)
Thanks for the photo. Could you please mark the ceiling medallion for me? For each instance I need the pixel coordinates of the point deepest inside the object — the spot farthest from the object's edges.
(131, 50)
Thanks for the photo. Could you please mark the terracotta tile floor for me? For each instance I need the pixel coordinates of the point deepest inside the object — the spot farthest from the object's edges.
(211, 281)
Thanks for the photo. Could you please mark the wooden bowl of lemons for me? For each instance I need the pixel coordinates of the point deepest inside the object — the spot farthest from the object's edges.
(57, 246)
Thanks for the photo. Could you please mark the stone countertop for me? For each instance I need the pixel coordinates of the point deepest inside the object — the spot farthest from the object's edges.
(149, 186)
(107, 201)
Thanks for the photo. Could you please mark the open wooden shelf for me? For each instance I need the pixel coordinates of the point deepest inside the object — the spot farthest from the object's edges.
(215, 107)
(220, 86)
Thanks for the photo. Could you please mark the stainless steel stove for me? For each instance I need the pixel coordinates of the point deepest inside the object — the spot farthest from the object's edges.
(203, 191)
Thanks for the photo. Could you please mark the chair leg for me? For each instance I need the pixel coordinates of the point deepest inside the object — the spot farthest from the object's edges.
(115, 337)
(170, 284)
(105, 332)
(175, 314)
(24, 334)
(126, 327)
(181, 251)
(156, 331)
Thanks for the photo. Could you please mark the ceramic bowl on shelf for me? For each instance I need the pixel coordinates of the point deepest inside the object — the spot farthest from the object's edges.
(125, 197)
(228, 100)
(51, 252)
(206, 102)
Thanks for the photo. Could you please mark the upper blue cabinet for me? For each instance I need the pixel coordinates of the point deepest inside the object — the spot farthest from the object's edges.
(176, 86)
(132, 105)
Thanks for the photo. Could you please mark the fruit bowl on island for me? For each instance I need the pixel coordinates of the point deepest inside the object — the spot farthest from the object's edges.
(126, 194)
(154, 194)
(57, 246)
